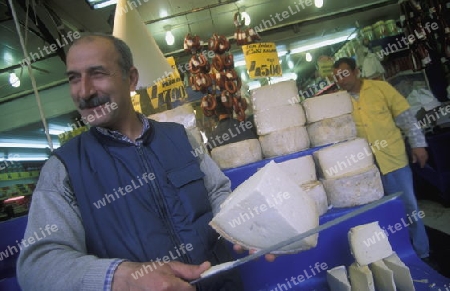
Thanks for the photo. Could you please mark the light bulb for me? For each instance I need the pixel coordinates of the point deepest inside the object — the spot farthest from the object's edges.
(246, 17)
(318, 3)
(308, 57)
(170, 39)
(14, 80)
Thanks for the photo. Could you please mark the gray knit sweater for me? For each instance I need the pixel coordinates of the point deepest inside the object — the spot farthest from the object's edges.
(59, 261)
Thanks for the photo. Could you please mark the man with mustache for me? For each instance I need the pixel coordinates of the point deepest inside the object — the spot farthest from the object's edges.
(381, 113)
(151, 231)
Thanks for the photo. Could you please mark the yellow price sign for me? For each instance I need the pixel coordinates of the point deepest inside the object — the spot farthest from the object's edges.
(262, 60)
(136, 100)
(168, 89)
(325, 66)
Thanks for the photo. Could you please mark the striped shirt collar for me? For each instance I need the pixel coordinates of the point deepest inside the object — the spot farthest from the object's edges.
(119, 136)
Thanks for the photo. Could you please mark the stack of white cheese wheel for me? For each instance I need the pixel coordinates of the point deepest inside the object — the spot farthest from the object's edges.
(303, 172)
(329, 118)
(237, 154)
(185, 116)
(279, 119)
(349, 174)
(376, 265)
(266, 209)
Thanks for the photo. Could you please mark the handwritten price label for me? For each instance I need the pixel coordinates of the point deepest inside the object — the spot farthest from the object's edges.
(161, 95)
(262, 60)
(169, 89)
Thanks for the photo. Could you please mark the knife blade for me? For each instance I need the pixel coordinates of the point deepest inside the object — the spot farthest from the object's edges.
(233, 264)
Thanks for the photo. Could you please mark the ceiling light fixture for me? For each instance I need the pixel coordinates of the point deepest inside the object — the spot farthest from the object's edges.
(13, 199)
(308, 57)
(31, 145)
(246, 18)
(27, 158)
(331, 41)
(54, 129)
(14, 80)
(318, 3)
(97, 4)
(170, 39)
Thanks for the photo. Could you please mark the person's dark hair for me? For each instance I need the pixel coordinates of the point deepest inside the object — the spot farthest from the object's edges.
(124, 51)
(349, 61)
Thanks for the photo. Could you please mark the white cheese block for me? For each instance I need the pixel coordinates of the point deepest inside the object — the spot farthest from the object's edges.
(369, 243)
(283, 142)
(337, 279)
(184, 115)
(361, 278)
(316, 191)
(344, 159)
(282, 93)
(402, 274)
(278, 118)
(327, 106)
(266, 209)
(331, 130)
(355, 190)
(383, 276)
(301, 170)
(237, 154)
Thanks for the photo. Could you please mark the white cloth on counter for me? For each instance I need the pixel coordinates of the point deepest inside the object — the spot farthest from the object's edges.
(419, 98)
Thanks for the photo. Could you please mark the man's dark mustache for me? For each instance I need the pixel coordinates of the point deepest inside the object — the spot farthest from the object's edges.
(93, 102)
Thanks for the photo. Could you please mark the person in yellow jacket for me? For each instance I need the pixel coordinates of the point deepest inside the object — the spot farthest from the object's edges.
(381, 114)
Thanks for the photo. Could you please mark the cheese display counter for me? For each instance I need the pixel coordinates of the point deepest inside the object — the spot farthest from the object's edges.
(308, 270)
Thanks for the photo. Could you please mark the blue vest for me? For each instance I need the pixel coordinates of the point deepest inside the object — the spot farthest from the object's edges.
(143, 203)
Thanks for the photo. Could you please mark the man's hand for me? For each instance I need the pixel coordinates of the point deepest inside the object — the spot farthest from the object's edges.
(419, 155)
(239, 249)
(131, 276)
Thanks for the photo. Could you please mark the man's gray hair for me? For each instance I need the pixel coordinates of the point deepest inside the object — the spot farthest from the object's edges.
(124, 51)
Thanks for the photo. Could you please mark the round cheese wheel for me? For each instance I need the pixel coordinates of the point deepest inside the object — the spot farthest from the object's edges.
(284, 142)
(354, 190)
(237, 154)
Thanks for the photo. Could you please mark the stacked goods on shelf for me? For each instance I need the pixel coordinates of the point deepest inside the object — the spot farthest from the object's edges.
(428, 22)
(303, 172)
(13, 175)
(329, 118)
(266, 209)
(185, 116)
(376, 265)
(279, 119)
(348, 173)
